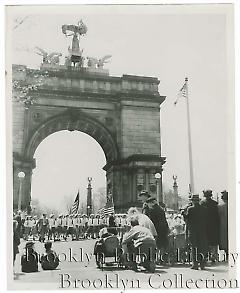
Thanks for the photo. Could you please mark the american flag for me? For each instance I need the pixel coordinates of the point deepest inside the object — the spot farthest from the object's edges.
(108, 209)
(182, 92)
(75, 205)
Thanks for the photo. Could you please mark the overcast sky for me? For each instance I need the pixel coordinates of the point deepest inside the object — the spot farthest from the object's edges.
(167, 43)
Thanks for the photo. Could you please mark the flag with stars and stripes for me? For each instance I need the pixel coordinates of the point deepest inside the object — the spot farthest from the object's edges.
(75, 205)
(182, 92)
(108, 209)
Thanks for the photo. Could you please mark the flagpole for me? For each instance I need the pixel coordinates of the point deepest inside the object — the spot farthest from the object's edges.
(189, 140)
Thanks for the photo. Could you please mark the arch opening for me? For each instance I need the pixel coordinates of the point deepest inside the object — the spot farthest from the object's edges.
(74, 121)
(64, 161)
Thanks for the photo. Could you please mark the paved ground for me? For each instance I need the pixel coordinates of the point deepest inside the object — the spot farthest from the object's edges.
(78, 269)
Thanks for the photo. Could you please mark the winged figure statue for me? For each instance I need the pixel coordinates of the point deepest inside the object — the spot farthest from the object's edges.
(103, 60)
(92, 62)
(48, 58)
(80, 29)
(76, 31)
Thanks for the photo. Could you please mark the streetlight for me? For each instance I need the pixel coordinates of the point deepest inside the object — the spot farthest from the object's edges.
(89, 210)
(158, 177)
(21, 176)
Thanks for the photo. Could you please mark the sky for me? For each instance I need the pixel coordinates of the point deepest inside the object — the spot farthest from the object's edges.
(169, 43)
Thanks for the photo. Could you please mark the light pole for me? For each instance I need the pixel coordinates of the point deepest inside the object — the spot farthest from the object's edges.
(21, 176)
(89, 196)
(159, 196)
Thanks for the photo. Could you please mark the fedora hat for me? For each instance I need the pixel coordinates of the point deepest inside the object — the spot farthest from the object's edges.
(207, 193)
(144, 193)
(224, 195)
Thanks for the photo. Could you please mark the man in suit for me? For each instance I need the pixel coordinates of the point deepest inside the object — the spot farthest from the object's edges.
(158, 217)
(212, 223)
(196, 216)
(223, 219)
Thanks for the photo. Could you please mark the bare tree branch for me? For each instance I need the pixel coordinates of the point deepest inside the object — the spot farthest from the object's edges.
(19, 22)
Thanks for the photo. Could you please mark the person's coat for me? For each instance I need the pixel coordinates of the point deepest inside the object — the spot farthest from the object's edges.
(197, 227)
(157, 216)
(212, 217)
(223, 231)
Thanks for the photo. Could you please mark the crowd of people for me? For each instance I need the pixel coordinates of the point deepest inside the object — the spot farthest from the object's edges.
(202, 225)
(56, 228)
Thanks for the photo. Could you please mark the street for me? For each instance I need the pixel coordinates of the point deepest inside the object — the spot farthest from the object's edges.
(78, 269)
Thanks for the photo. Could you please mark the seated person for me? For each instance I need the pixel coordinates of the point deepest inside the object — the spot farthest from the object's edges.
(29, 260)
(104, 233)
(139, 241)
(112, 226)
(49, 260)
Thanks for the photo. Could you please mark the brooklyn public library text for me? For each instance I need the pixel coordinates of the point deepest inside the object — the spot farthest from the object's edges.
(153, 281)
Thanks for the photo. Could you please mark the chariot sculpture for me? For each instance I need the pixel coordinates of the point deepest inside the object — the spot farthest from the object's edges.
(75, 54)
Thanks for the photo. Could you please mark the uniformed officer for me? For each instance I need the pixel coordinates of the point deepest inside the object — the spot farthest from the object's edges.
(70, 230)
(43, 227)
(90, 230)
(76, 226)
(81, 225)
(27, 228)
(59, 227)
(34, 227)
(52, 227)
(85, 225)
(65, 226)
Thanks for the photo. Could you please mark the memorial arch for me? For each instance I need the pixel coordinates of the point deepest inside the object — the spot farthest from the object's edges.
(121, 113)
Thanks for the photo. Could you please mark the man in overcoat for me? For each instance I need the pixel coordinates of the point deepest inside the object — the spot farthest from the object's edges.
(212, 224)
(197, 232)
(157, 216)
(223, 219)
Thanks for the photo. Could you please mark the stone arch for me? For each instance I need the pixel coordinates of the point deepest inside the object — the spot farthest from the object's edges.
(74, 120)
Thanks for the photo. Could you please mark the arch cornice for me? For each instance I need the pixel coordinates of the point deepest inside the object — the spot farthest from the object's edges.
(74, 120)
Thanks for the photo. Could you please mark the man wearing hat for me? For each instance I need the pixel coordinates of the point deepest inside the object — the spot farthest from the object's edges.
(70, 229)
(197, 232)
(35, 227)
(59, 227)
(158, 217)
(43, 227)
(223, 220)
(52, 227)
(29, 260)
(212, 223)
(65, 226)
(143, 196)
